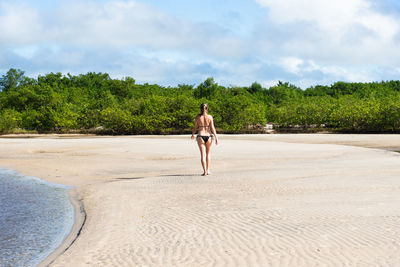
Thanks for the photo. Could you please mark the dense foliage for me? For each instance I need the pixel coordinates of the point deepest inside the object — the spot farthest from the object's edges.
(94, 102)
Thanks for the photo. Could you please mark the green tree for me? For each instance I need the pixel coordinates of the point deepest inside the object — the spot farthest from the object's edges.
(255, 88)
(206, 89)
(283, 92)
(118, 120)
(9, 120)
(12, 79)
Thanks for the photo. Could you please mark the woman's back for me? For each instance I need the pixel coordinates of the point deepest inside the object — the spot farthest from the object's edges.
(204, 123)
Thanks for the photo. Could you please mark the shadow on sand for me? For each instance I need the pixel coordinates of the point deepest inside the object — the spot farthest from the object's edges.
(179, 175)
(165, 175)
(130, 178)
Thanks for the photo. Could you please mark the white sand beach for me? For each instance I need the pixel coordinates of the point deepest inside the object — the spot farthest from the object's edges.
(273, 200)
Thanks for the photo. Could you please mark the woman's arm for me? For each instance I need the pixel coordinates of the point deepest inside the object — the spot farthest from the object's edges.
(194, 128)
(214, 131)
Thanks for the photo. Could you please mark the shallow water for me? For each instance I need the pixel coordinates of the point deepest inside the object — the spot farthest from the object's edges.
(35, 217)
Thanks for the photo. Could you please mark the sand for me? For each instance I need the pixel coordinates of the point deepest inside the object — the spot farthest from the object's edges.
(273, 200)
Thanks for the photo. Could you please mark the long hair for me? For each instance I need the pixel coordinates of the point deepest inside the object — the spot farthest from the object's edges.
(203, 108)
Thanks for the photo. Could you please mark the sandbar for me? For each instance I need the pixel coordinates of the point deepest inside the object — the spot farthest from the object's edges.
(273, 200)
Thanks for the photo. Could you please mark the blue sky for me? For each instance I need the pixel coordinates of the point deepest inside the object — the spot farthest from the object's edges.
(304, 42)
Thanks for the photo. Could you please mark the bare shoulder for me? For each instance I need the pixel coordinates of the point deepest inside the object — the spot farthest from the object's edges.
(210, 117)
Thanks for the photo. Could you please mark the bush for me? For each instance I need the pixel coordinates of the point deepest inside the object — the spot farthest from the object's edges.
(118, 120)
(9, 120)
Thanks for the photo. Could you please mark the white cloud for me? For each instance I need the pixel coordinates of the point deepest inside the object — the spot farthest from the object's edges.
(119, 24)
(344, 74)
(291, 64)
(19, 24)
(116, 23)
(25, 51)
(341, 31)
(332, 16)
(226, 47)
(269, 83)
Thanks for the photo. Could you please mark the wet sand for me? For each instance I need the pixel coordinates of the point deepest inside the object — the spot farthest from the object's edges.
(273, 200)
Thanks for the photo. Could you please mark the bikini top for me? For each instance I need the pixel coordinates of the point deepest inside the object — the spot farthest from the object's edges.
(205, 126)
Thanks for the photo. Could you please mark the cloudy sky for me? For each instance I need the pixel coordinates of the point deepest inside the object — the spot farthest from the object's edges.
(171, 42)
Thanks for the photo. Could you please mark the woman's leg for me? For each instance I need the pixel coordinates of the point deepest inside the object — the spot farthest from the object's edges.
(202, 148)
(208, 149)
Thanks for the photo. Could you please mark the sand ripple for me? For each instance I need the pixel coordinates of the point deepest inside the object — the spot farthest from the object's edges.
(250, 219)
(268, 204)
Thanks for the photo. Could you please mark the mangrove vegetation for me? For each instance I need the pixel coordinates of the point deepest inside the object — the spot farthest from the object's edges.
(96, 103)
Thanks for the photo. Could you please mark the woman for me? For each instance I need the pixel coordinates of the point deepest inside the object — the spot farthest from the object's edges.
(206, 133)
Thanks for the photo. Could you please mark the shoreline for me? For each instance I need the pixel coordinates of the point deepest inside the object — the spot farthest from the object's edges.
(117, 190)
(79, 222)
(74, 228)
(321, 138)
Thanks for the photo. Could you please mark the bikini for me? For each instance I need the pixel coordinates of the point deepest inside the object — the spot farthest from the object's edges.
(204, 137)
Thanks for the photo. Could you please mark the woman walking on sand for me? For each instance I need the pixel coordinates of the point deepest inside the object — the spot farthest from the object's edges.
(206, 134)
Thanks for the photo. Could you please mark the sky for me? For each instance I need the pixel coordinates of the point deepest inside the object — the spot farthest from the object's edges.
(237, 42)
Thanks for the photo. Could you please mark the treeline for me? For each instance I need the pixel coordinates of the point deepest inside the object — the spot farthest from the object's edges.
(94, 102)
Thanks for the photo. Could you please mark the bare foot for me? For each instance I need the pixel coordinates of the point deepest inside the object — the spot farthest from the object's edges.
(204, 174)
(209, 173)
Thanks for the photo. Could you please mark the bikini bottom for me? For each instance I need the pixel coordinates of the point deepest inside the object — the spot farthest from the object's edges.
(204, 137)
